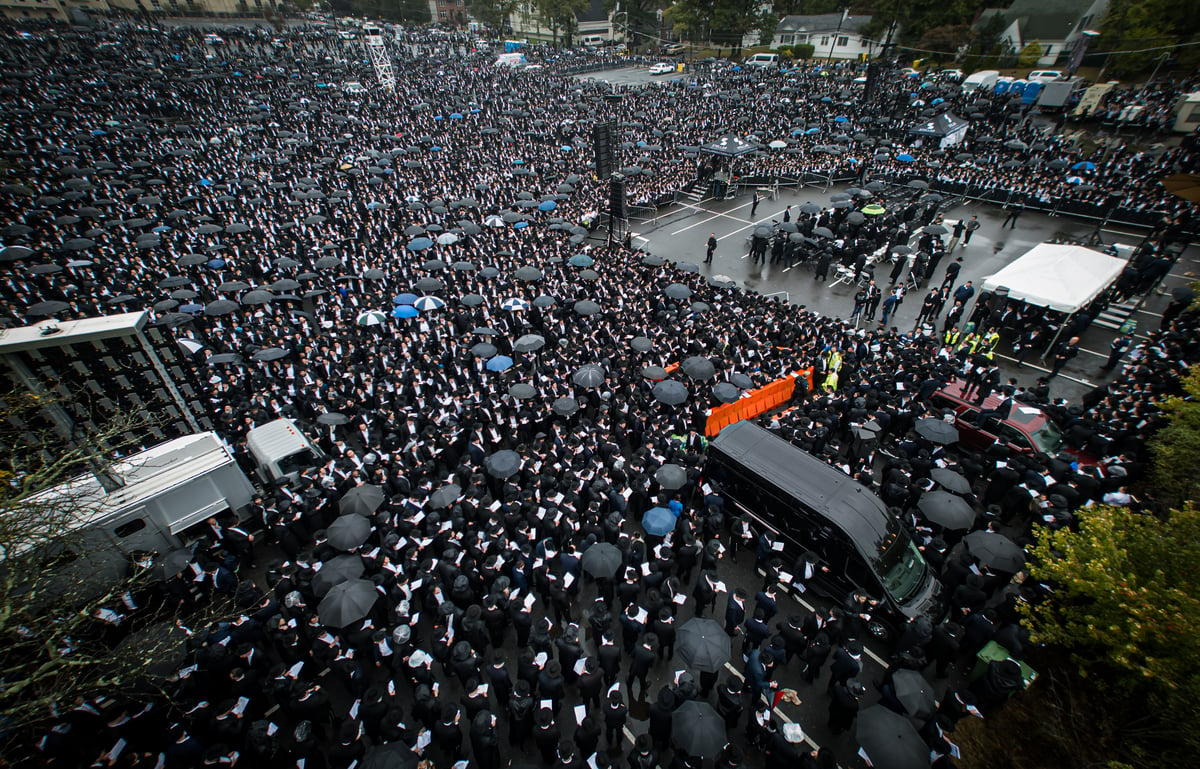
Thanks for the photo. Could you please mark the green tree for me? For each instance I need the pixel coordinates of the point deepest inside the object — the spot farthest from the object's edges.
(1177, 446)
(492, 13)
(1133, 25)
(1029, 55)
(1126, 604)
(946, 39)
(560, 15)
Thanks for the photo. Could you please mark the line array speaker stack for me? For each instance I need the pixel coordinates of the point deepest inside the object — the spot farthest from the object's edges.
(602, 138)
(616, 197)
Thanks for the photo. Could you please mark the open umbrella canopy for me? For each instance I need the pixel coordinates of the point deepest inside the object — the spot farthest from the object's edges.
(589, 375)
(659, 521)
(565, 406)
(890, 741)
(947, 510)
(348, 532)
(670, 393)
(726, 392)
(529, 343)
(581, 260)
(950, 480)
(641, 344)
(698, 368)
(268, 354)
(677, 291)
(483, 350)
(499, 363)
(372, 318)
(586, 307)
(336, 571)
(444, 497)
(522, 391)
(221, 307)
(671, 476)
(503, 464)
(995, 551)
(361, 500)
(333, 418)
(527, 274)
(698, 730)
(602, 560)
(703, 644)
(347, 602)
(741, 381)
(915, 693)
(937, 430)
(390, 755)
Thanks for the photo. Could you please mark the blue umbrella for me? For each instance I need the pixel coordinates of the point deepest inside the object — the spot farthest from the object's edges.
(547, 205)
(1085, 165)
(404, 311)
(658, 521)
(216, 264)
(499, 363)
(581, 260)
(520, 225)
(191, 309)
(438, 117)
(419, 244)
(841, 119)
(905, 158)
(405, 299)
(456, 116)
(813, 130)
(568, 148)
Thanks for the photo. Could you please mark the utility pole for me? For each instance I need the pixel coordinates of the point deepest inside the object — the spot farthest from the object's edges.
(838, 32)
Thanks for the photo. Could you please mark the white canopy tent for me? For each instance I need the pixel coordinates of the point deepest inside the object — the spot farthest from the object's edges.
(1063, 278)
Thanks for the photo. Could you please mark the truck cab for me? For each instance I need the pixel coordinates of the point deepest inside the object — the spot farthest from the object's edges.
(282, 451)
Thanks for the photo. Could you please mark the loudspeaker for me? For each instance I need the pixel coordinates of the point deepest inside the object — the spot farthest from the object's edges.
(602, 135)
(616, 197)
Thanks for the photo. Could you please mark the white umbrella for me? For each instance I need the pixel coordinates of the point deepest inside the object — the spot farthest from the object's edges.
(371, 318)
(447, 239)
(191, 346)
(515, 304)
(493, 221)
(777, 144)
(429, 303)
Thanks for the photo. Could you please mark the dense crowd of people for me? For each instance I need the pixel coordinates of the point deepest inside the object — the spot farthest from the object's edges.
(510, 400)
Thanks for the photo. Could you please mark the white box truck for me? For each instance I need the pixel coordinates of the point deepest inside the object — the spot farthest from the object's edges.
(282, 451)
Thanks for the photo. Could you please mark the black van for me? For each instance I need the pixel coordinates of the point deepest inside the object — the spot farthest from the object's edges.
(811, 506)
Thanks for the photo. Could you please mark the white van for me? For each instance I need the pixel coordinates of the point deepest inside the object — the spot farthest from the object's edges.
(592, 41)
(281, 451)
(763, 60)
(983, 80)
(1044, 76)
(509, 60)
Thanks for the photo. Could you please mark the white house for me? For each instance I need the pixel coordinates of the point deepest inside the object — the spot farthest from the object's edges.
(832, 35)
(1055, 25)
(593, 20)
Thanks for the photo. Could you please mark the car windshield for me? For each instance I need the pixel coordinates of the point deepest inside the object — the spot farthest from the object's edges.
(1047, 438)
(900, 565)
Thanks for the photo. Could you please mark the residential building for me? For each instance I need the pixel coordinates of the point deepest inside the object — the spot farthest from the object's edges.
(832, 35)
(526, 22)
(448, 11)
(1055, 25)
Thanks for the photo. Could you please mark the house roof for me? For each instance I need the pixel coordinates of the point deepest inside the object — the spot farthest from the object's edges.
(825, 22)
(1044, 20)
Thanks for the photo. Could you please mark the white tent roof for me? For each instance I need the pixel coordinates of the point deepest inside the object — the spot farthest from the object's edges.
(1063, 278)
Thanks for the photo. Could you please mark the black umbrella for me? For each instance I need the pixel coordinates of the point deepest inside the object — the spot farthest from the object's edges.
(527, 274)
(589, 375)
(671, 476)
(348, 532)
(483, 350)
(269, 354)
(221, 307)
(995, 551)
(444, 497)
(945, 509)
(522, 391)
(348, 602)
(333, 418)
(741, 381)
(937, 430)
(915, 693)
(726, 392)
(336, 571)
(361, 500)
(586, 307)
(698, 730)
(224, 357)
(890, 741)
(50, 307)
(427, 285)
(641, 344)
(698, 368)
(654, 373)
(670, 393)
(258, 296)
(169, 565)
(390, 755)
(950, 481)
(602, 560)
(503, 464)
(677, 291)
(529, 343)
(565, 406)
(703, 644)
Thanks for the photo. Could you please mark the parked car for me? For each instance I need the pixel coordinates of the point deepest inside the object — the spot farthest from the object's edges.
(672, 49)
(662, 68)
(1027, 430)
(1044, 76)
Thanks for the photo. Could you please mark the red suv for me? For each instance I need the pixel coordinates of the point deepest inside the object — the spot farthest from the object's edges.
(1027, 430)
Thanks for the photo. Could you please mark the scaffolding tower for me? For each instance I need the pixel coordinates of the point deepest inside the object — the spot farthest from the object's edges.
(373, 39)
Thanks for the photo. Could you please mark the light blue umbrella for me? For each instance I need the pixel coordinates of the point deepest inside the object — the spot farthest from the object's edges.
(216, 264)
(658, 521)
(419, 244)
(905, 158)
(404, 311)
(1085, 165)
(499, 363)
(405, 299)
(547, 205)
(520, 225)
(581, 260)
(568, 148)
(456, 116)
